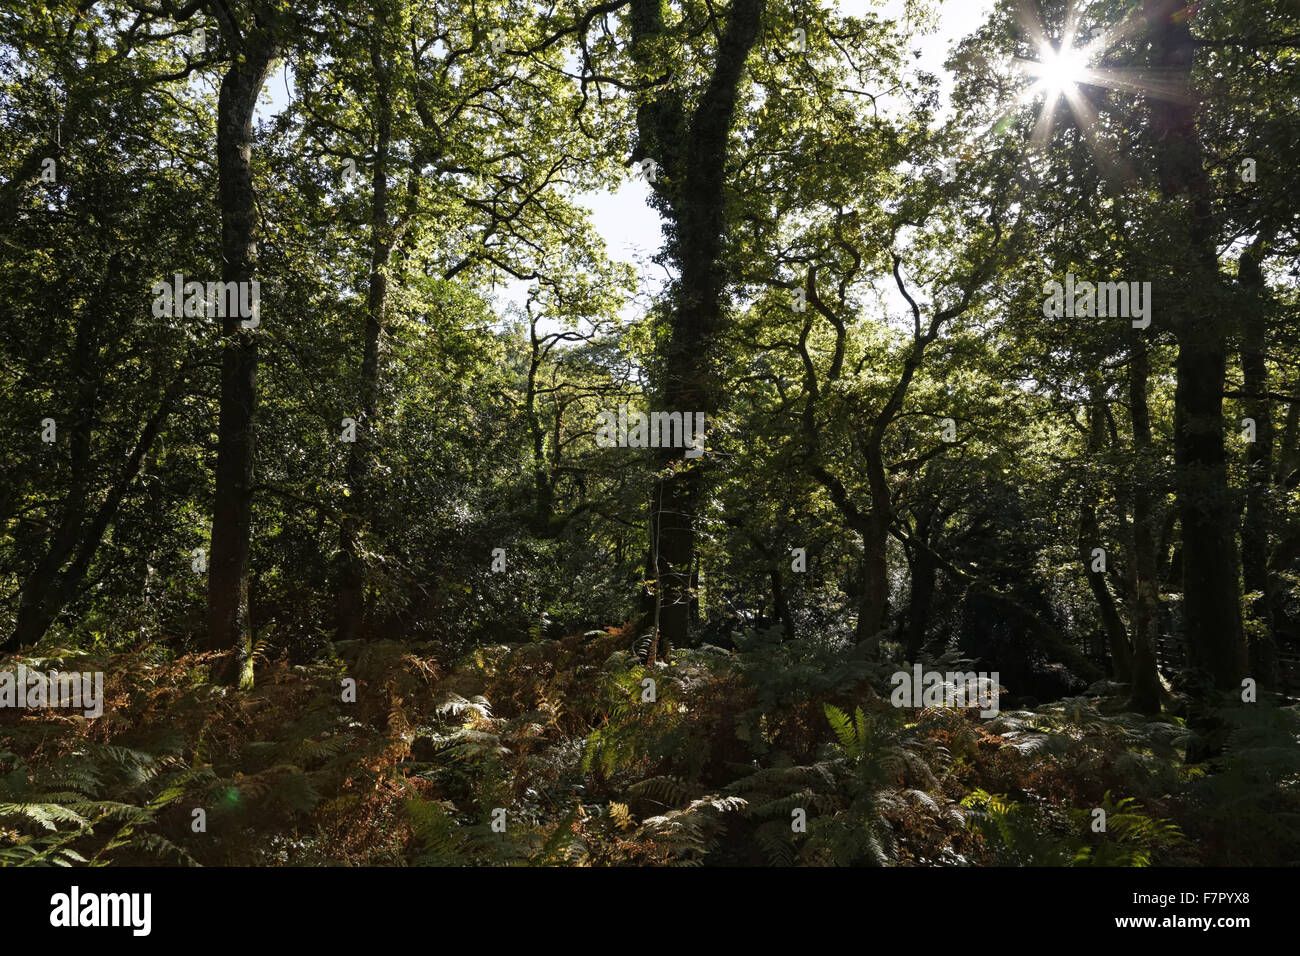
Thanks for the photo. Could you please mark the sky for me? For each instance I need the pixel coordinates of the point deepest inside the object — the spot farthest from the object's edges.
(631, 229)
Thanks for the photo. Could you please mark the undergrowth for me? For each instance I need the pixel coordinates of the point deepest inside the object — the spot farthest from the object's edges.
(573, 753)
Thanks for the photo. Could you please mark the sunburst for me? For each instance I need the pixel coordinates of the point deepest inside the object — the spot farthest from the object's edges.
(1063, 69)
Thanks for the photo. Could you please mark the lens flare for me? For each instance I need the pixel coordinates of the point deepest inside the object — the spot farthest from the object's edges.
(1061, 69)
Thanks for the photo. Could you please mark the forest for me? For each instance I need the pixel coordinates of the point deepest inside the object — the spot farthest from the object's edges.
(645, 433)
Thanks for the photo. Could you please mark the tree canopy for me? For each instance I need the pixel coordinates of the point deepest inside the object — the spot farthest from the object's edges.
(404, 519)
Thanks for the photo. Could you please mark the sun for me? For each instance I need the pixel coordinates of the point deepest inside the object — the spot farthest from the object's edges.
(1059, 70)
(1064, 71)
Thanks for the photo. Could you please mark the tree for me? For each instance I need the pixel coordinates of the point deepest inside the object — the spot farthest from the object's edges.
(254, 35)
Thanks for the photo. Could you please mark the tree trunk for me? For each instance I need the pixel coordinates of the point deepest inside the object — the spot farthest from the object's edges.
(1146, 688)
(874, 601)
(923, 573)
(228, 567)
(52, 585)
(1288, 458)
(1255, 525)
(1121, 654)
(351, 596)
(1211, 591)
(38, 601)
(781, 605)
(690, 185)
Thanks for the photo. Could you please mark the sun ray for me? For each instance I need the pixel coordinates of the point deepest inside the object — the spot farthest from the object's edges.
(1063, 68)
(1111, 164)
(1046, 120)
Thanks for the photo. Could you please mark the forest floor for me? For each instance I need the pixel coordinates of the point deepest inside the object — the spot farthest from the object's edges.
(571, 752)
